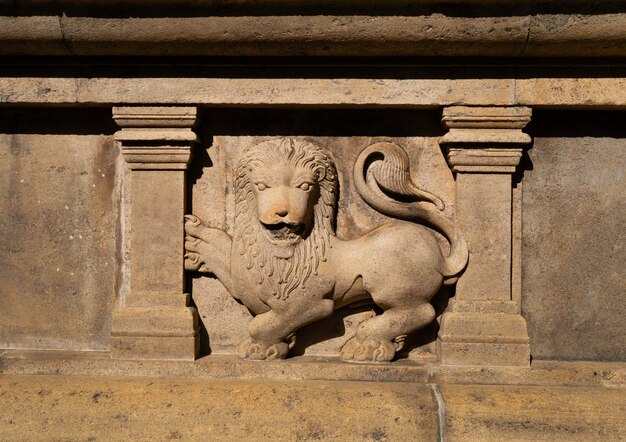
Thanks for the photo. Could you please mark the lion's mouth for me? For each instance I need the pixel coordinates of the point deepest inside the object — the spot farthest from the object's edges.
(284, 232)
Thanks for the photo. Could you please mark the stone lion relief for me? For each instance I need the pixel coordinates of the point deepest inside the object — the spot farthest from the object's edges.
(288, 267)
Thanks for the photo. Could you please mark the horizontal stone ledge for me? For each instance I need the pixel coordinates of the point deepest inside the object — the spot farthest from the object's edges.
(220, 366)
(578, 93)
(550, 35)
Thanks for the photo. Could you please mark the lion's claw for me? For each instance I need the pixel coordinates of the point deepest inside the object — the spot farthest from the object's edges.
(193, 220)
(277, 351)
(259, 351)
(192, 261)
(368, 350)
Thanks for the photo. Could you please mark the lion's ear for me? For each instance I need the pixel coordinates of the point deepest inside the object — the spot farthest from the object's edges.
(320, 173)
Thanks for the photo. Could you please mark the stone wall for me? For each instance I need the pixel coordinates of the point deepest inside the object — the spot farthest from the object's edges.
(59, 228)
(574, 236)
(319, 219)
(61, 224)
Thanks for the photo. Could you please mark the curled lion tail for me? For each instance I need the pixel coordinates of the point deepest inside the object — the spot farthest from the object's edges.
(382, 176)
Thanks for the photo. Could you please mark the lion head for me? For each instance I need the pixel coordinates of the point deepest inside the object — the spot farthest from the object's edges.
(285, 207)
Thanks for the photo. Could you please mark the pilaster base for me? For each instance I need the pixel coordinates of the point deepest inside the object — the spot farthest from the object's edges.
(155, 333)
(484, 339)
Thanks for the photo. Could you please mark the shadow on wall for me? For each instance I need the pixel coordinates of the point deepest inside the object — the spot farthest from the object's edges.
(574, 124)
(57, 121)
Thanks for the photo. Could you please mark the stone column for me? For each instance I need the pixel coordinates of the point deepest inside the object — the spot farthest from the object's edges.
(155, 321)
(483, 324)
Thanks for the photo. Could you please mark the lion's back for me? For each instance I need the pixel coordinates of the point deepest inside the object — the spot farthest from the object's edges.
(398, 252)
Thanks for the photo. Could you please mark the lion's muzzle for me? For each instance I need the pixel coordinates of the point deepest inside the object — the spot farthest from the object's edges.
(284, 233)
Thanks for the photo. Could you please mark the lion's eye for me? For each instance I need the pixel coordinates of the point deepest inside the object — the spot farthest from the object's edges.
(261, 186)
(305, 186)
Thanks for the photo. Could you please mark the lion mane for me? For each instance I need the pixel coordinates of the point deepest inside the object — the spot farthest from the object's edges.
(284, 274)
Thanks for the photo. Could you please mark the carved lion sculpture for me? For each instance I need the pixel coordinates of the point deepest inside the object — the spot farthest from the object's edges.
(287, 266)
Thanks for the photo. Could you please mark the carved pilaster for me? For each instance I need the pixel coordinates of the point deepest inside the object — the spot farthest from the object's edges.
(155, 321)
(483, 324)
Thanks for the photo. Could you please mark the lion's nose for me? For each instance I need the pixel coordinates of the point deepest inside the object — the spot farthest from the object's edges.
(281, 211)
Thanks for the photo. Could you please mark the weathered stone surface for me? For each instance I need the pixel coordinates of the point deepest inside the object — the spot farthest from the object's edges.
(313, 35)
(545, 373)
(544, 224)
(492, 412)
(58, 229)
(40, 407)
(223, 318)
(498, 29)
(286, 264)
(484, 148)
(528, 87)
(155, 321)
(574, 235)
(410, 92)
(81, 407)
(484, 338)
(608, 90)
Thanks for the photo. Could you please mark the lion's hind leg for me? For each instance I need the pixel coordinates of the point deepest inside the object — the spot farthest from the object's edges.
(378, 338)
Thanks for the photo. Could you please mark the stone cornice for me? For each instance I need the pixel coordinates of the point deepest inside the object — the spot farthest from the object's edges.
(499, 33)
(156, 138)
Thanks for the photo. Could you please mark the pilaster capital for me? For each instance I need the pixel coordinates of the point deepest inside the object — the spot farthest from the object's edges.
(156, 137)
(485, 139)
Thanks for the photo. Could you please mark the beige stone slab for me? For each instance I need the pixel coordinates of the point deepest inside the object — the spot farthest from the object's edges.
(254, 92)
(156, 321)
(179, 348)
(161, 117)
(58, 217)
(574, 237)
(555, 92)
(490, 119)
(493, 412)
(484, 328)
(484, 339)
(571, 92)
(91, 408)
(484, 353)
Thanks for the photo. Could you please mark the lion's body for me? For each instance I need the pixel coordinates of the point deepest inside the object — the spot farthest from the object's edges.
(358, 269)
(387, 273)
(287, 266)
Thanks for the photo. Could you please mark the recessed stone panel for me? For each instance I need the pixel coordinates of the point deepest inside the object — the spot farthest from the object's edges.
(58, 229)
(574, 236)
(232, 133)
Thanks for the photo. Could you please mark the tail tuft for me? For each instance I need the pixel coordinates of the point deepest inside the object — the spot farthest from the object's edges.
(382, 176)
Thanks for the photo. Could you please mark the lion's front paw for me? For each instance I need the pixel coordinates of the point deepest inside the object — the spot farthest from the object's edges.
(368, 350)
(193, 260)
(249, 349)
